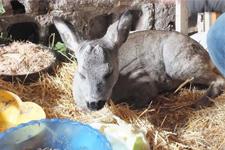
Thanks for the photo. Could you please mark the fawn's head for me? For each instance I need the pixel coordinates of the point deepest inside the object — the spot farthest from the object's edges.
(97, 70)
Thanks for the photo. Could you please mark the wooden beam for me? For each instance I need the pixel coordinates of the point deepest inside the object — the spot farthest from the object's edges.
(182, 16)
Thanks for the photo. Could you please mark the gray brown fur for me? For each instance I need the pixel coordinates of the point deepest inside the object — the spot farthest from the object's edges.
(148, 63)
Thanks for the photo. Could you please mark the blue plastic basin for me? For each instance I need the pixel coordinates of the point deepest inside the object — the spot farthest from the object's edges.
(216, 43)
(57, 134)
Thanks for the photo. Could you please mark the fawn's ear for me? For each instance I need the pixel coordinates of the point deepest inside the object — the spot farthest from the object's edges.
(118, 32)
(71, 38)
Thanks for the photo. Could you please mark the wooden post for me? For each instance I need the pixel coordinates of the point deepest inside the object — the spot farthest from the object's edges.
(201, 22)
(210, 18)
(206, 20)
(182, 16)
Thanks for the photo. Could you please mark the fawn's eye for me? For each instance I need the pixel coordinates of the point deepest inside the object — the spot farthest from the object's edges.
(107, 75)
(81, 75)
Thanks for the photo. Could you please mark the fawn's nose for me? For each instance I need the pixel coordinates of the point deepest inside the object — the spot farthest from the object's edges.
(96, 105)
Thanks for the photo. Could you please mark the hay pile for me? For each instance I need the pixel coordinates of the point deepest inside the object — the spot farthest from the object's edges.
(21, 58)
(170, 123)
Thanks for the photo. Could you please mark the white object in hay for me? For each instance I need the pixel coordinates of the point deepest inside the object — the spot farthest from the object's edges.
(123, 136)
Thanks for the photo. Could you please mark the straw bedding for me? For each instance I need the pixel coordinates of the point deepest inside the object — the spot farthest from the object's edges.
(170, 123)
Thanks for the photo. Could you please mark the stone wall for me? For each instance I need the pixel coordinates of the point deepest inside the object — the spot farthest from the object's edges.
(90, 17)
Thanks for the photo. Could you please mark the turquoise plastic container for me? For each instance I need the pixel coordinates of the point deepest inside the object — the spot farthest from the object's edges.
(59, 134)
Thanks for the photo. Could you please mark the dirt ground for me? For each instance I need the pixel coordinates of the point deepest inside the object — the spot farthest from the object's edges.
(170, 123)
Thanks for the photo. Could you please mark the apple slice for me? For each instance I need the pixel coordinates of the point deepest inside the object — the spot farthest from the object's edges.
(9, 109)
(14, 112)
(30, 111)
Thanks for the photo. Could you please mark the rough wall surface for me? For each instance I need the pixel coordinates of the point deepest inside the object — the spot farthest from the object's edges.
(90, 17)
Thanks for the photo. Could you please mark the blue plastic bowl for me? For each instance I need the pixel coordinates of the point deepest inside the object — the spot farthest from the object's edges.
(57, 134)
(216, 43)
